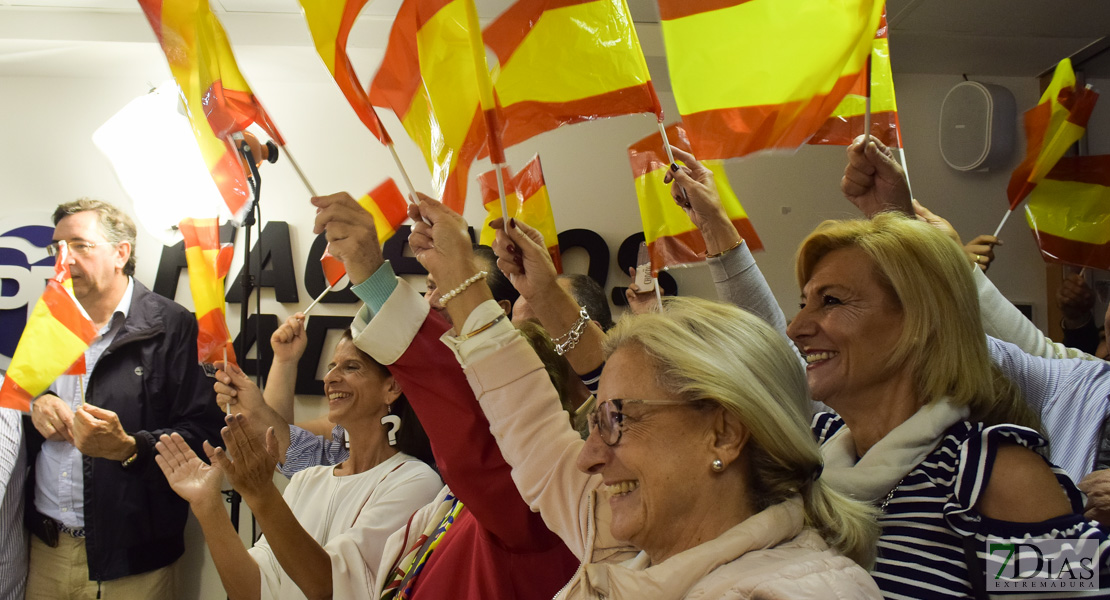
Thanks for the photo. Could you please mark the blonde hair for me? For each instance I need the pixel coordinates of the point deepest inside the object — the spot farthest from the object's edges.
(704, 350)
(942, 339)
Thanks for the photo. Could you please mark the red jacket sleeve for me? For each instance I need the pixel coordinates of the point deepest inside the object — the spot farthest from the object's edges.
(466, 452)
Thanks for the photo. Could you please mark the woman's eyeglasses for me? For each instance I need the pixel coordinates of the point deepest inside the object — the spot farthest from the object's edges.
(78, 248)
(608, 418)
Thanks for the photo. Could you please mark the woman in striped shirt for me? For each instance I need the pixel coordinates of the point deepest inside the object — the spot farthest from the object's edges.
(925, 426)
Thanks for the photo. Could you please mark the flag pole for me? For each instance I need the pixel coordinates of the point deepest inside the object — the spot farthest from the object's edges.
(81, 387)
(670, 157)
(867, 108)
(1003, 223)
(658, 295)
(489, 105)
(404, 174)
(317, 300)
(300, 173)
(902, 156)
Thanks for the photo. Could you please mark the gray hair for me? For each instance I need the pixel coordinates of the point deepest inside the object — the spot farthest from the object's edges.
(114, 224)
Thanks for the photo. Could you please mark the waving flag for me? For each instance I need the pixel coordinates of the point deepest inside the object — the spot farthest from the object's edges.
(209, 261)
(754, 74)
(1051, 127)
(671, 238)
(330, 23)
(53, 343)
(1069, 212)
(428, 79)
(567, 61)
(217, 98)
(528, 201)
(848, 117)
(389, 209)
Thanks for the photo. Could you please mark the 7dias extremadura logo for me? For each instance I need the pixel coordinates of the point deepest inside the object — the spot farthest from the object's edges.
(1041, 565)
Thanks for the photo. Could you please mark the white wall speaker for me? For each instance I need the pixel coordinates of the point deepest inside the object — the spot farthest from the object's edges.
(977, 123)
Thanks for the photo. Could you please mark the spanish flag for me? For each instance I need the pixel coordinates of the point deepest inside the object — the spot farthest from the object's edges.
(330, 24)
(53, 342)
(217, 98)
(527, 200)
(749, 75)
(208, 260)
(671, 238)
(428, 78)
(1051, 127)
(1069, 212)
(848, 118)
(566, 61)
(389, 209)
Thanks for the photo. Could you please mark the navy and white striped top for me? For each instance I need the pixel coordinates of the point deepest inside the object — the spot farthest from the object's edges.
(931, 511)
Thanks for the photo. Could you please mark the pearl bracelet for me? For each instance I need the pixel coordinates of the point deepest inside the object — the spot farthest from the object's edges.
(444, 299)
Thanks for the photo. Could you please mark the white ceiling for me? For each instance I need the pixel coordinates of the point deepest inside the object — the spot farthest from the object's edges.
(1020, 38)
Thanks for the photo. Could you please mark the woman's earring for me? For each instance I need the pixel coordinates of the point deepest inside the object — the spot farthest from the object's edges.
(717, 465)
(392, 423)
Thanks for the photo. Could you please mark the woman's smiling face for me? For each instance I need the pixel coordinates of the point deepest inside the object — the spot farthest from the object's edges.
(354, 385)
(848, 327)
(652, 473)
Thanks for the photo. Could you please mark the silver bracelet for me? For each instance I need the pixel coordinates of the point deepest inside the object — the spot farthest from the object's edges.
(444, 299)
(566, 342)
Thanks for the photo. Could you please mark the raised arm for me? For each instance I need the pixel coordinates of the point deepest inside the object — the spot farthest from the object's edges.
(523, 257)
(526, 387)
(735, 274)
(289, 343)
(199, 485)
(397, 329)
(302, 558)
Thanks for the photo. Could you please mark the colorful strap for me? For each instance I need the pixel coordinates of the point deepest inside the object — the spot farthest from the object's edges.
(399, 586)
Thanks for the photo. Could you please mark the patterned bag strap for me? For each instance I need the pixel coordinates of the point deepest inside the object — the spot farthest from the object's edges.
(399, 585)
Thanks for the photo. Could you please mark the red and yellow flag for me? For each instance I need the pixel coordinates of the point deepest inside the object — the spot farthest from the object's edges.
(671, 238)
(217, 98)
(209, 261)
(566, 61)
(428, 79)
(330, 24)
(53, 342)
(527, 200)
(848, 117)
(389, 209)
(1051, 127)
(749, 75)
(1069, 212)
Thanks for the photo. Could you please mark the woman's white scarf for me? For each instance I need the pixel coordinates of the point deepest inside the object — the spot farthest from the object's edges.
(872, 477)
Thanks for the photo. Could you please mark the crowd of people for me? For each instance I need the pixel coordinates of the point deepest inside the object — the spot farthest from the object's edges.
(500, 437)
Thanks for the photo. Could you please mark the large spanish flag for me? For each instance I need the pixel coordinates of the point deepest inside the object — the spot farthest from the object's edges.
(566, 61)
(208, 260)
(217, 98)
(389, 210)
(428, 79)
(847, 119)
(1051, 127)
(671, 238)
(330, 23)
(1069, 212)
(754, 74)
(527, 200)
(53, 342)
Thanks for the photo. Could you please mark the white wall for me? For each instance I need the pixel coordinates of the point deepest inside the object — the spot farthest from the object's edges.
(46, 157)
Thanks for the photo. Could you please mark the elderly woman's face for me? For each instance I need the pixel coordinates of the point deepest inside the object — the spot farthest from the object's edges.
(651, 474)
(847, 328)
